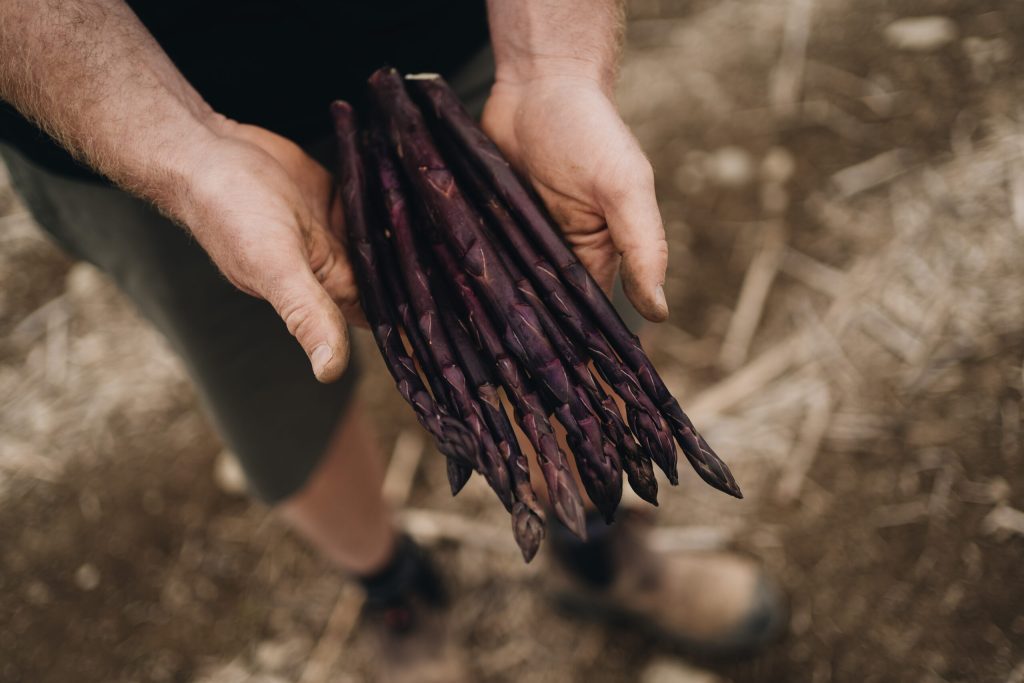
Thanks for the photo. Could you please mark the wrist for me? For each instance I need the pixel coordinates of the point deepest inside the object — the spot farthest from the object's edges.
(567, 70)
(175, 173)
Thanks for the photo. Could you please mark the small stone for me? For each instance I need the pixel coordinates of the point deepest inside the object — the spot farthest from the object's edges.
(175, 594)
(267, 678)
(1003, 521)
(232, 672)
(778, 165)
(38, 593)
(206, 590)
(674, 671)
(84, 281)
(153, 501)
(730, 167)
(999, 489)
(921, 34)
(688, 180)
(774, 198)
(90, 505)
(275, 656)
(87, 577)
(228, 474)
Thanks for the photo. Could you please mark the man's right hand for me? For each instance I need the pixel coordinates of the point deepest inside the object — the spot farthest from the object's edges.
(267, 214)
(90, 75)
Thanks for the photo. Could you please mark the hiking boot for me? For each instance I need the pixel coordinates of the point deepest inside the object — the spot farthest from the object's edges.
(707, 604)
(406, 616)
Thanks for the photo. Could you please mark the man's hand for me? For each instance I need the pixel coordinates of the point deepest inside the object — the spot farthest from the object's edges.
(264, 210)
(89, 73)
(566, 137)
(551, 112)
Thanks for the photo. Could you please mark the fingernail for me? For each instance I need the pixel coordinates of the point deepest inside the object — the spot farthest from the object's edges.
(322, 355)
(660, 300)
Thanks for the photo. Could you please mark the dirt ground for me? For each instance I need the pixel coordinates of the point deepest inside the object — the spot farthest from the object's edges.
(844, 195)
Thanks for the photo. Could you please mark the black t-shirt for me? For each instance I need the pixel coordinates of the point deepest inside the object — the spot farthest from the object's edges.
(279, 63)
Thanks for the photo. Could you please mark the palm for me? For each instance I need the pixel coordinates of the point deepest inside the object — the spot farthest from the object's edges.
(570, 143)
(285, 205)
(267, 215)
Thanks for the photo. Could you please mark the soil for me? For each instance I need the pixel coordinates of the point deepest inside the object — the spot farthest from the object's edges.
(125, 557)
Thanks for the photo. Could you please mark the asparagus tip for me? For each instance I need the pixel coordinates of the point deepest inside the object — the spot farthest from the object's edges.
(643, 483)
(571, 515)
(717, 477)
(341, 107)
(458, 475)
(528, 530)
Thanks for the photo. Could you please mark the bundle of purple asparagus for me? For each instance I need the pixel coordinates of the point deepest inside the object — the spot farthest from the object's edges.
(450, 248)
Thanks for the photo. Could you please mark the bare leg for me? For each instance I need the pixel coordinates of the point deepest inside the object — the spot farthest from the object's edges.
(340, 509)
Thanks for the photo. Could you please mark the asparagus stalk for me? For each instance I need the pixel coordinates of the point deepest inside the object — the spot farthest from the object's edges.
(527, 514)
(635, 462)
(563, 496)
(643, 415)
(462, 228)
(491, 463)
(452, 437)
(488, 159)
(458, 473)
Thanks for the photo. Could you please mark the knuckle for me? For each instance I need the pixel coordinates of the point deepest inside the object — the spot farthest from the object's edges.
(632, 179)
(323, 264)
(348, 298)
(298, 307)
(297, 317)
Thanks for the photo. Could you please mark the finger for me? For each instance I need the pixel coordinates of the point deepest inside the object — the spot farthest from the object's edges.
(314, 320)
(601, 261)
(333, 271)
(634, 222)
(587, 233)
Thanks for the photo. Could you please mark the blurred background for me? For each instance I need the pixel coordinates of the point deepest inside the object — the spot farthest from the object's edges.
(843, 187)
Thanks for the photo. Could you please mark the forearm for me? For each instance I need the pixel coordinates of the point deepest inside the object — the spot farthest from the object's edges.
(541, 38)
(90, 74)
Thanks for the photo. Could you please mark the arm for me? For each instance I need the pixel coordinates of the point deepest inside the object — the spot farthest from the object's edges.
(90, 75)
(551, 112)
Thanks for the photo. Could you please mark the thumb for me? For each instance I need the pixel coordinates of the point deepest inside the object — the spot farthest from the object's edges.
(631, 209)
(314, 320)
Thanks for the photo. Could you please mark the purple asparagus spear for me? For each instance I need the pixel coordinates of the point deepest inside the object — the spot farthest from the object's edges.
(527, 514)
(634, 462)
(491, 464)
(452, 437)
(486, 157)
(458, 473)
(462, 228)
(563, 495)
(643, 415)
